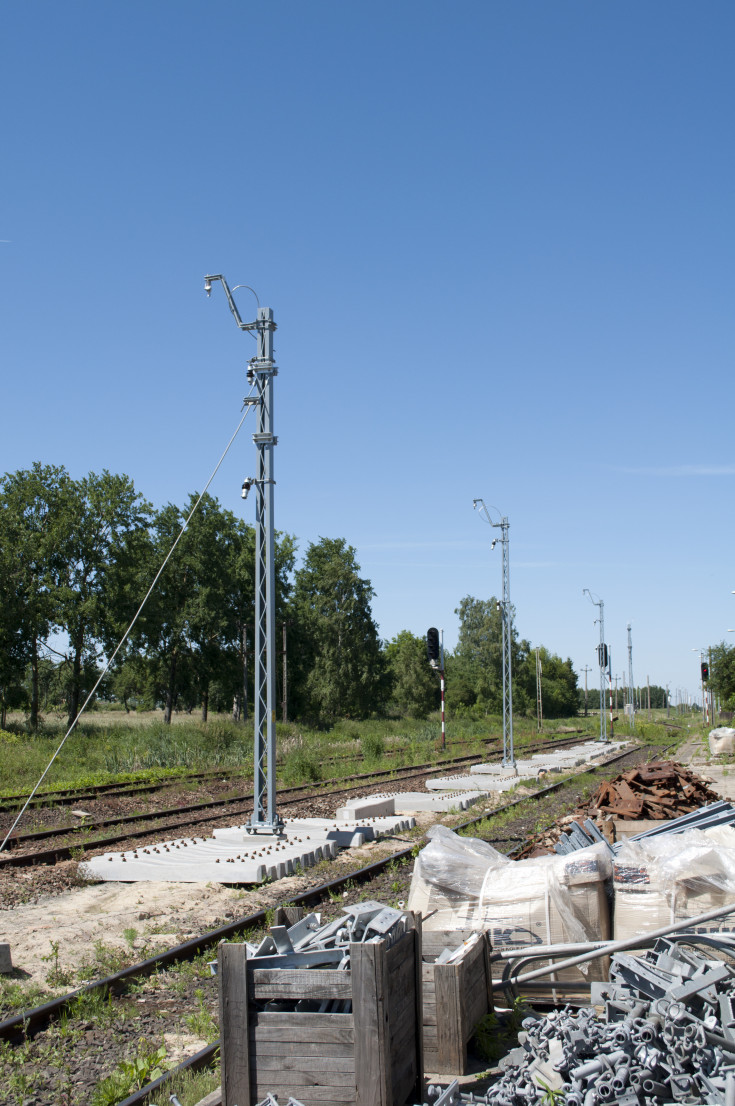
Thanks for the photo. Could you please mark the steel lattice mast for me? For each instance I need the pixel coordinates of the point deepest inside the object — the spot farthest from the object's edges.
(506, 612)
(602, 656)
(261, 371)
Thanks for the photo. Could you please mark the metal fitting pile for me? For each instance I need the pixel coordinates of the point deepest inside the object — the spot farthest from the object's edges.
(667, 1036)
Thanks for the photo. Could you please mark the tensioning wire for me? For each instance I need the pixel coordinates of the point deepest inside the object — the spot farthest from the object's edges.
(125, 636)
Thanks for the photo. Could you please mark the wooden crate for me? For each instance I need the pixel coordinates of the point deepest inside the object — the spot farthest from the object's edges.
(371, 1057)
(456, 996)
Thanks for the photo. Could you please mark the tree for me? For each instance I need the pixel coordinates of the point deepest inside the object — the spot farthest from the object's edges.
(477, 665)
(339, 669)
(190, 632)
(103, 519)
(558, 683)
(34, 530)
(414, 684)
(722, 673)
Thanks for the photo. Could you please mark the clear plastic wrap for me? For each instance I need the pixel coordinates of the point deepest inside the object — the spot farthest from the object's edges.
(722, 740)
(664, 879)
(464, 883)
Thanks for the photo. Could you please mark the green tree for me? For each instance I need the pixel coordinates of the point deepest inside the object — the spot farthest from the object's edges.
(190, 633)
(339, 669)
(34, 530)
(722, 673)
(104, 520)
(560, 698)
(414, 684)
(477, 665)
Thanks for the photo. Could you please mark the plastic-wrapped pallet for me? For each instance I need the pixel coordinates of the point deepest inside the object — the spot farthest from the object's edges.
(666, 878)
(722, 740)
(463, 883)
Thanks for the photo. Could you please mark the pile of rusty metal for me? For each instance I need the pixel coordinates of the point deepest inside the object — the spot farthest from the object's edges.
(659, 790)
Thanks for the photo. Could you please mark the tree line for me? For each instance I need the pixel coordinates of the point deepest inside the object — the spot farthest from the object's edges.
(78, 556)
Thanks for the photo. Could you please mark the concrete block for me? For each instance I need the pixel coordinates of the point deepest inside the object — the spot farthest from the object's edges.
(372, 806)
(6, 963)
(463, 783)
(440, 801)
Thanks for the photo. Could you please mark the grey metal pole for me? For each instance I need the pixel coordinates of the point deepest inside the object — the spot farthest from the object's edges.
(507, 632)
(631, 685)
(261, 372)
(507, 642)
(601, 660)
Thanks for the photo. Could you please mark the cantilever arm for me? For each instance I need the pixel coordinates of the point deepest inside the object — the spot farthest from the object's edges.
(233, 306)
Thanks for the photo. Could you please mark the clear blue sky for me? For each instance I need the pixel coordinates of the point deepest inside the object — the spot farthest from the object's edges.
(498, 241)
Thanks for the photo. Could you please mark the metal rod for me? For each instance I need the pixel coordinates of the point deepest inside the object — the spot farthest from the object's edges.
(619, 946)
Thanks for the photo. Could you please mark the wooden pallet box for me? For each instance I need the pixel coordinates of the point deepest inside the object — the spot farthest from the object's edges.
(456, 997)
(370, 1057)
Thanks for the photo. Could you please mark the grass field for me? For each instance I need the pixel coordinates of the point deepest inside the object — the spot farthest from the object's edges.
(112, 745)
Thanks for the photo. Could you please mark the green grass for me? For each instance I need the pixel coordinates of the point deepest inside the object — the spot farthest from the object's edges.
(113, 747)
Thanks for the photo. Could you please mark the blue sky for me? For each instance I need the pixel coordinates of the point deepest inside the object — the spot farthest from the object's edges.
(498, 242)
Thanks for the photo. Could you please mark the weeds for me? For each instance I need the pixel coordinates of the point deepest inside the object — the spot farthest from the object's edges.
(202, 1023)
(131, 1075)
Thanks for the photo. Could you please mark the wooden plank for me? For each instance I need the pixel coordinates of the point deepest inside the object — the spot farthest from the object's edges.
(298, 1048)
(323, 1096)
(372, 1055)
(296, 991)
(296, 983)
(418, 953)
(288, 915)
(294, 1033)
(277, 1018)
(449, 1018)
(312, 1063)
(232, 974)
(293, 1067)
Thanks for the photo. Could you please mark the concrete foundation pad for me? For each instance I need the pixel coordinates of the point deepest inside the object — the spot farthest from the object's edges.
(235, 856)
(371, 806)
(492, 770)
(340, 831)
(196, 860)
(445, 800)
(471, 783)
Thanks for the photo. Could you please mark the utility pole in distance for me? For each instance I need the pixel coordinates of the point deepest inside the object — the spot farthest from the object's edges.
(586, 669)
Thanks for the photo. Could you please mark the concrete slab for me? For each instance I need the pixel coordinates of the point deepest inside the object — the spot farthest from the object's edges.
(491, 770)
(442, 801)
(196, 860)
(371, 806)
(470, 783)
(340, 831)
(235, 856)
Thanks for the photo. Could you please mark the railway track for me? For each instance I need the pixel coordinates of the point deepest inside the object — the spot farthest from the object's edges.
(31, 1021)
(70, 795)
(23, 851)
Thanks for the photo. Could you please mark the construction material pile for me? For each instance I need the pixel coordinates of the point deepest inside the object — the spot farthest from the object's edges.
(667, 1035)
(309, 944)
(659, 790)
